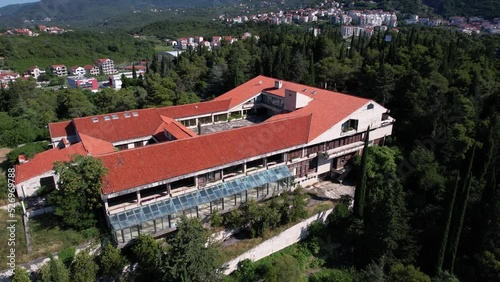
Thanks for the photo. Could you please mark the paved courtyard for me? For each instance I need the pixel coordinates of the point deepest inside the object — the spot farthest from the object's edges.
(329, 190)
(207, 129)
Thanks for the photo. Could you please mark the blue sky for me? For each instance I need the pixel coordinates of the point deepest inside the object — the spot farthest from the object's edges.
(8, 2)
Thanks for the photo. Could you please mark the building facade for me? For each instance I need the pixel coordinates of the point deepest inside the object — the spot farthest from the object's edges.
(81, 82)
(59, 70)
(190, 160)
(106, 66)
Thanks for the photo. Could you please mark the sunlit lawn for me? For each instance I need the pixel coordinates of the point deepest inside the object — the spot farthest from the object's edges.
(46, 237)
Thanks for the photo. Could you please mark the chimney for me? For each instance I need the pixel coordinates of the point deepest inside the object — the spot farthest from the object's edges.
(21, 159)
(278, 84)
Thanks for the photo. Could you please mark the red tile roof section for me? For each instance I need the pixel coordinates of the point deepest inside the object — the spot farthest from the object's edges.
(123, 128)
(196, 109)
(96, 147)
(61, 129)
(327, 109)
(247, 90)
(177, 129)
(44, 161)
(136, 167)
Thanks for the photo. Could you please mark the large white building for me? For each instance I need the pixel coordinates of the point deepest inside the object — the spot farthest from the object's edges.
(160, 168)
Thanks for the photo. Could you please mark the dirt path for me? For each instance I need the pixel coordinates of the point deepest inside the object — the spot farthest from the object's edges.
(3, 153)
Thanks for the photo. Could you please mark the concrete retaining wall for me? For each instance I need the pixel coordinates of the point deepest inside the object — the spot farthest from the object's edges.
(286, 238)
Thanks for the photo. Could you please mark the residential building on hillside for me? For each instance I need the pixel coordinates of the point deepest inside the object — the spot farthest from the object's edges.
(7, 77)
(107, 66)
(77, 71)
(91, 70)
(59, 70)
(34, 72)
(194, 159)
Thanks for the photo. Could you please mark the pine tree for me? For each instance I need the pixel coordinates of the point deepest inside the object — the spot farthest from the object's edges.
(444, 240)
(360, 193)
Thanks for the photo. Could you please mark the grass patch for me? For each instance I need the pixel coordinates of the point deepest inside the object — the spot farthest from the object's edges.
(321, 207)
(163, 48)
(20, 240)
(46, 237)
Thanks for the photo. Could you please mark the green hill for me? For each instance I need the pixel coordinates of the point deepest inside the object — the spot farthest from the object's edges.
(73, 48)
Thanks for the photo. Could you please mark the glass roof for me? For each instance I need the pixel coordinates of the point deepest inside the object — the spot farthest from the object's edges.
(163, 208)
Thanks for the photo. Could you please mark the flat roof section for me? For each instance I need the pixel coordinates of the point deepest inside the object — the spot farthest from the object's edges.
(223, 126)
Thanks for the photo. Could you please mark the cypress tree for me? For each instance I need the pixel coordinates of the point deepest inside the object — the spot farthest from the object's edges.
(163, 67)
(351, 48)
(155, 64)
(134, 72)
(460, 213)
(360, 193)
(312, 70)
(444, 240)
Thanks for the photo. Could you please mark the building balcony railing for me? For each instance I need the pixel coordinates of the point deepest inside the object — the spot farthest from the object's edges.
(348, 131)
(122, 207)
(248, 105)
(339, 151)
(255, 169)
(182, 190)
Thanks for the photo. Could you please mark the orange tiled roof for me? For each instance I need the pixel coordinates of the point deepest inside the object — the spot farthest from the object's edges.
(122, 128)
(60, 129)
(247, 90)
(96, 147)
(44, 161)
(195, 109)
(175, 128)
(132, 168)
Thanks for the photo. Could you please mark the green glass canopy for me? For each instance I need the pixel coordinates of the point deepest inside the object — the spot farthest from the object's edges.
(136, 216)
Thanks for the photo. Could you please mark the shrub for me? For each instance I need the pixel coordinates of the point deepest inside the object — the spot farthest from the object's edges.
(216, 219)
(67, 255)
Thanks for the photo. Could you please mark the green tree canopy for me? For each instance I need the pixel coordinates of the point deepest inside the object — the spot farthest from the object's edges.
(78, 196)
(191, 254)
(83, 268)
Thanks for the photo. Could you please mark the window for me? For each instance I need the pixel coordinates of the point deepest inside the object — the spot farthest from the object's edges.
(138, 144)
(189, 122)
(370, 106)
(119, 236)
(221, 117)
(95, 120)
(107, 118)
(115, 116)
(122, 147)
(349, 125)
(135, 114)
(205, 120)
(126, 115)
(295, 154)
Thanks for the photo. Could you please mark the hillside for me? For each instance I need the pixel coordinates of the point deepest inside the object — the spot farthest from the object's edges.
(73, 48)
(92, 12)
(127, 14)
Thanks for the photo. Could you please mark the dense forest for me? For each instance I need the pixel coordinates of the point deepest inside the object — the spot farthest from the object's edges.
(71, 48)
(431, 200)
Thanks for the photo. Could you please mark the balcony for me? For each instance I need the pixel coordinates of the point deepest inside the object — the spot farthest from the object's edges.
(248, 105)
(333, 153)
